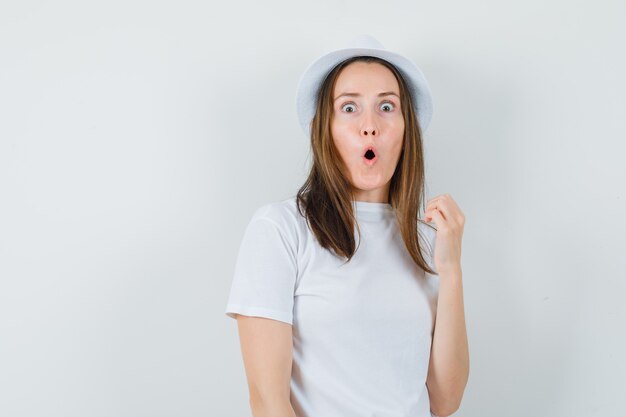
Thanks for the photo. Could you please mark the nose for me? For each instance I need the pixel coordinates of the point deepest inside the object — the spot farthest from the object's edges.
(368, 127)
(368, 131)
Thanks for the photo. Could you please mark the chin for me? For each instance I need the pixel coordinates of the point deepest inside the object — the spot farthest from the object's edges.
(368, 186)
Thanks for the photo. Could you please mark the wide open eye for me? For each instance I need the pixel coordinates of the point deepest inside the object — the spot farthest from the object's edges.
(388, 104)
(348, 105)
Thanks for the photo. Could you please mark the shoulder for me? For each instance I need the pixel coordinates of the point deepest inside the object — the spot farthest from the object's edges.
(283, 215)
(283, 212)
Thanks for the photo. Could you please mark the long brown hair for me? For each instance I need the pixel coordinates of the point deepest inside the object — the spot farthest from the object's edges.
(326, 196)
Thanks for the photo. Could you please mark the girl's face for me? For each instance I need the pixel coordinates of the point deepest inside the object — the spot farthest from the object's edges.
(367, 114)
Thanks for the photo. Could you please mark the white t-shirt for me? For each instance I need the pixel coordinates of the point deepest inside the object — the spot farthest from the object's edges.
(362, 331)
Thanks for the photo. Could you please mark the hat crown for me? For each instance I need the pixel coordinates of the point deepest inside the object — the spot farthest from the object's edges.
(364, 41)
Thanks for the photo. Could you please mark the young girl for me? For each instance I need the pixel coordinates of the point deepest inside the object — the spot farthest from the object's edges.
(348, 304)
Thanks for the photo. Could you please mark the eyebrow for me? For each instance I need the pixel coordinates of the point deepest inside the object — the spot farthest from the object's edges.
(385, 93)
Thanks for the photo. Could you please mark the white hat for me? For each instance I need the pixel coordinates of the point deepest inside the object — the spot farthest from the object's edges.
(314, 75)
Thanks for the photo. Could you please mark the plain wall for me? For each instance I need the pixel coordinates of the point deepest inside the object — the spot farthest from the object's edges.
(138, 137)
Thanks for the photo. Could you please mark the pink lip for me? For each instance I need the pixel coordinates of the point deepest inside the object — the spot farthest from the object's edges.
(370, 161)
(369, 147)
(374, 159)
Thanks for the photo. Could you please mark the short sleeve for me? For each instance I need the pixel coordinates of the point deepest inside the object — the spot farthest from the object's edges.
(265, 273)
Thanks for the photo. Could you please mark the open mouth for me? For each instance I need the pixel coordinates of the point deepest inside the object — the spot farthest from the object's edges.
(370, 155)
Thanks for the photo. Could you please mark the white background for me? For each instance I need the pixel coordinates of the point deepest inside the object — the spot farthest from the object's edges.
(137, 138)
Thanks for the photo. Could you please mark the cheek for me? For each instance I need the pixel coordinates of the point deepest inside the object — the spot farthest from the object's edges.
(340, 139)
(398, 134)
(397, 125)
(338, 127)
(344, 150)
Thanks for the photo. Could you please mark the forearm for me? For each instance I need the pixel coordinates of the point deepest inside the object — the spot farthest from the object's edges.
(449, 358)
(272, 409)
